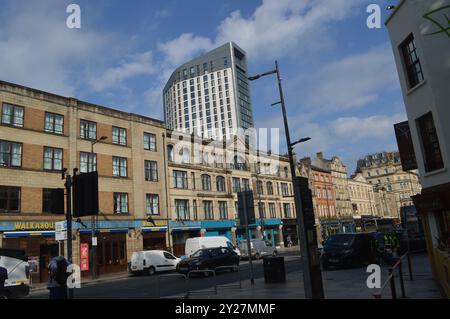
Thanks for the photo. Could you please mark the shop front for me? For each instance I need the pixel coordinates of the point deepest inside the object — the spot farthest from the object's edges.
(219, 228)
(266, 229)
(37, 240)
(154, 235)
(181, 231)
(290, 233)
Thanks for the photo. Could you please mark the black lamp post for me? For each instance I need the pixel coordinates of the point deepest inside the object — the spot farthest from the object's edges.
(312, 279)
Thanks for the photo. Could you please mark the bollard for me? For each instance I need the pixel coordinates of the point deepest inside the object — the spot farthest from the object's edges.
(409, 266)
(402, 284)
(392, 281)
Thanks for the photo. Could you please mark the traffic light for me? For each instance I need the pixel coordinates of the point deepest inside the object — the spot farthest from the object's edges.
(57, 201)
(85, 194)
(246, 196)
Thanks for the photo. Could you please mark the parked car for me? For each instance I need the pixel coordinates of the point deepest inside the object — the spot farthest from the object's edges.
(259, 248)
(348, 250)
(149, 262)
(209, 259)
(16, 263)
(196, 243)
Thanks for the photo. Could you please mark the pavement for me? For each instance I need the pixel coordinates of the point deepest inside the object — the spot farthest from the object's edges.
(338, 284)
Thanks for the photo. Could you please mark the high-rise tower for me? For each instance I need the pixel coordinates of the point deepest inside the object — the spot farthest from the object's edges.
(210, 95)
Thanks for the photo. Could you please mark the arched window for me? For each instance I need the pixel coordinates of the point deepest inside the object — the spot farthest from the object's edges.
(259, 187)
(206, 182)
(220, 184)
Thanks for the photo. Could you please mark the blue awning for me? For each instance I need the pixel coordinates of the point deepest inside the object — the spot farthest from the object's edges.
(17, 234)
(153, 229)
(180, 229)
(104, 231)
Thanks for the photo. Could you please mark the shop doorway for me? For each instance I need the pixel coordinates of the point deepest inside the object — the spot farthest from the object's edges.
(47, 252)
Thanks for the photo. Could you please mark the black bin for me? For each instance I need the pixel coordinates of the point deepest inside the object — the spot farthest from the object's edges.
(274, 271)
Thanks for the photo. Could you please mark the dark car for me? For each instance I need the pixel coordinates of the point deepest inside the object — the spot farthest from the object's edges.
(209, 259)
(348, 250)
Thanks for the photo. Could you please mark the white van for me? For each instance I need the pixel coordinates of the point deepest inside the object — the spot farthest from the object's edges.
(16, 263)
(149, 262)
(196, 243)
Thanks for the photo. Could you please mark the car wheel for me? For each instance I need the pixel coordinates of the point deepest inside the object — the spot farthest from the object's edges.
(150, 271)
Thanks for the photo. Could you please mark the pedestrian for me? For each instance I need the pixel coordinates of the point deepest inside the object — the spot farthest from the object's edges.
(3, 277)
(289, 241)
(57, 279)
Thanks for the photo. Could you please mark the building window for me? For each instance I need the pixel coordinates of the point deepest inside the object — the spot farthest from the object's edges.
(206, 182)
(10, 154)
(152, 204)
(262, 210)
(236, 184)
(170, 152)
(12, 115)
(411, 60)
(120, 203)
(88, 162)
(286, 172)
(119, 166)
(208, 209)
(245, 184)
(88, 130)
(284, 189)
(430, 143)
(53, 159)
(194, 206)
(54, 123)
(272, 211)
(269, 188)
(180, 179)
(223, 210)
(260, 187)
(46, 200)
(287, 210)
(119, 135)
(182, 209)
(220, 184)
(9, 199)
(151, 171)
(150, 142)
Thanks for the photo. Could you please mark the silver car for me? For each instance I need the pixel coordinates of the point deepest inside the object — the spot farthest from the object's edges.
(259, 248)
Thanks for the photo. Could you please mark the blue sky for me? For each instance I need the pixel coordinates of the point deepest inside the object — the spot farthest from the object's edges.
(340, 80)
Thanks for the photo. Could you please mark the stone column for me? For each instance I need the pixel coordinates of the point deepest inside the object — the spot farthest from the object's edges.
(233, 235)
(280, 236)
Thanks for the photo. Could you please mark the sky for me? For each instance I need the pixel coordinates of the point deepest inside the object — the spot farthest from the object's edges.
(339, 76)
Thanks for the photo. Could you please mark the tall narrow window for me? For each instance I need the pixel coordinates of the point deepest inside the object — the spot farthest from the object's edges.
(120, 203)
(182, 209)
(430, 143)
(54, 123)
(151, 171)
(208, 209)
(411, 60)
(53, 159)
(223, 210)
(236, 184)
(272, 210)
(150, 142)
(10, 154)
(46, 200)
(12, 115)
(119, 135)
(206, 182)
(287, 210)
(220, 184)
(152, 204)
(269, 188)
(180, 179)
(119, 167)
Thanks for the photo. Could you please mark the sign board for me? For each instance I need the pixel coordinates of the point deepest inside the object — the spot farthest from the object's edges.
(405, 146)
(247, 198)
(61, 230)
(84, 257)
(94, 241)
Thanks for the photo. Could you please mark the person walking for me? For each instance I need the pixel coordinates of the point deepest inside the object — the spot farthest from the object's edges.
(57, 279)
(3, 277)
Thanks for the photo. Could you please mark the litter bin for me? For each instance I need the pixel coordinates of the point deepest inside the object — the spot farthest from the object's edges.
(274, 271)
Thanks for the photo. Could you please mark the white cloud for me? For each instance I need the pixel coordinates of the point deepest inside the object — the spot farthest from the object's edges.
(138, 64)
(352, 82)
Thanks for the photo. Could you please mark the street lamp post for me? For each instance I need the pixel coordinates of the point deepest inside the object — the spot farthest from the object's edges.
(93, 218)
(312, 280)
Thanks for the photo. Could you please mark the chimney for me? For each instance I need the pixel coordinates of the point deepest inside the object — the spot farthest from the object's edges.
(319, 155)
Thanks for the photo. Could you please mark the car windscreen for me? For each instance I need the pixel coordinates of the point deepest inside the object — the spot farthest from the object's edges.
(13, 253)
(200, 253)
(340, 240)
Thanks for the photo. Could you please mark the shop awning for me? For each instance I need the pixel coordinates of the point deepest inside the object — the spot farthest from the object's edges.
(17, 234)
(104, 231)
(178, 229)
(153, 229)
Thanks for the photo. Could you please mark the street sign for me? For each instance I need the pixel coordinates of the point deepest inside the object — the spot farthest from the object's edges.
(249, 207)
(85, 194)
(84, 257)
(61, 230)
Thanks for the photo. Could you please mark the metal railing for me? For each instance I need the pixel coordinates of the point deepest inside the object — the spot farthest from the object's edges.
(391, 278)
